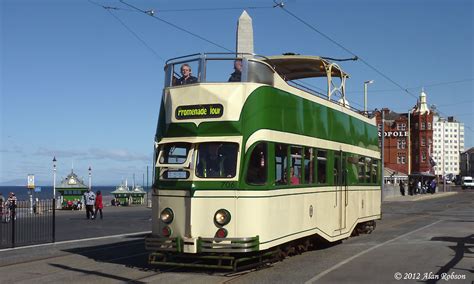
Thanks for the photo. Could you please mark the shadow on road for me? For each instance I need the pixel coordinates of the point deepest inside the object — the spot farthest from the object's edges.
(463, 246)
(96, 273)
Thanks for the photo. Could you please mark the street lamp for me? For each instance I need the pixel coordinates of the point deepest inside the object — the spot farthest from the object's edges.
(54, 177)
(365, 94)
(90, 177)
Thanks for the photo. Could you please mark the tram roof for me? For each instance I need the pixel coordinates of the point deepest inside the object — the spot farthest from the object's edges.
(293, 67)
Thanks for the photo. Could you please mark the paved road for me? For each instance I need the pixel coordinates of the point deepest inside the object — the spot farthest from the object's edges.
(418, 235)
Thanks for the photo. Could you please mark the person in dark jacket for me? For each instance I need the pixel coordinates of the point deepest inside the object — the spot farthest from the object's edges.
(402, 188)
(237, 75)
(98, 204)
(186, 77)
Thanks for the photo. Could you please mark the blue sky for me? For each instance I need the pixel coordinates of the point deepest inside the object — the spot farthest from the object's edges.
(76, 84)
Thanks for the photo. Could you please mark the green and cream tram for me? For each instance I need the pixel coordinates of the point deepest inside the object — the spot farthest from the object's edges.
(243, 169)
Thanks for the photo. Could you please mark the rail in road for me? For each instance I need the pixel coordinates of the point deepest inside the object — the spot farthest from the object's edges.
(413, 239)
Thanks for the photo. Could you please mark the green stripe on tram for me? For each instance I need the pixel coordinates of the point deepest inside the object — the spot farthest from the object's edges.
(274, 109)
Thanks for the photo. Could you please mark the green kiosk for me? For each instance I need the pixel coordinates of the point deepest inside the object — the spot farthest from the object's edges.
(138, 195)
(71, 191)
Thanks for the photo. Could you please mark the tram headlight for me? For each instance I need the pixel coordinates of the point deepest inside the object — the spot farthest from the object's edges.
(167, 215)
(222, 217)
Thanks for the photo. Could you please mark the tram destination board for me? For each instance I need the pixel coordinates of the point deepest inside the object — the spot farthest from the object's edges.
(199, 111)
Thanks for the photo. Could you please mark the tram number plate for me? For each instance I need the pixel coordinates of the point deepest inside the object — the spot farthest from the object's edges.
(228, 184)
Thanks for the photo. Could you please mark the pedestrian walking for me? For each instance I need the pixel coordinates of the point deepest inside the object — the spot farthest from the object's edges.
(433, 186)
(89, 198)
(98, 203)
(402, 188)
(2, 203)
(11, 206)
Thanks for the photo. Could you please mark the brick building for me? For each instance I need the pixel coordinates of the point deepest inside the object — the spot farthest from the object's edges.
(406, 153)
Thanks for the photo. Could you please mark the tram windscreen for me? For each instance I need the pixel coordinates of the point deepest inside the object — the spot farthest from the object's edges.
(217, 160)
(174, 153)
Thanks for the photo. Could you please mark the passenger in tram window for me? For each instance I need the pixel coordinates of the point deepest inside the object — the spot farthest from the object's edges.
(294, 179)
(237, 75)
(257, 170)
(212, 163)
(186, 77)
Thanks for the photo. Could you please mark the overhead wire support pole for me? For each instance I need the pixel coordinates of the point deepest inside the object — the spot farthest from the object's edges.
(151, 13)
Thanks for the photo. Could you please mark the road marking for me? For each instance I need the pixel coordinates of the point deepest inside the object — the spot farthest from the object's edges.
(320, 275)
(77, 241)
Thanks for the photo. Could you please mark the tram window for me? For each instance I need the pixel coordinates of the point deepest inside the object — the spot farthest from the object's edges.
(219, 70)
(295, 171)
(361, 169)
(281, 152)
(259, 73)
(336, 170)
(174, 153)
(374, 171)
(322, 161)
(217, 160)
(368, 166)
(182, 77)
(257, 169)
(309, 166)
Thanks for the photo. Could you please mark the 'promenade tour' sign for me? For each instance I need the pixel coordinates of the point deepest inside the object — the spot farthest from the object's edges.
(199, 111)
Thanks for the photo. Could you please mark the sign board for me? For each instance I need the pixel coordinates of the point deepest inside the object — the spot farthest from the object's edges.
(199, 111)
(394, 134)
(31, 181)
(38, 189)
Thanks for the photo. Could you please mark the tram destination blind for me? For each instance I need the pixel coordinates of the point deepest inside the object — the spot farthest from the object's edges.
(199, 111)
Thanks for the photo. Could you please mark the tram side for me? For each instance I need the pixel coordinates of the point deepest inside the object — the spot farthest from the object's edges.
(334, 156)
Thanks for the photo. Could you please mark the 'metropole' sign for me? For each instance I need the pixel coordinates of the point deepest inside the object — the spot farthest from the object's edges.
(394, 133)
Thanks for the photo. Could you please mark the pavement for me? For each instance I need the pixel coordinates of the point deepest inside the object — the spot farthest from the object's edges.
(419, 197)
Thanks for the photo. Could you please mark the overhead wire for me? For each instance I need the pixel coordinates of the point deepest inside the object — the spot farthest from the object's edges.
(108, 9)
(151, 13)
(282, 6)
(419, 87)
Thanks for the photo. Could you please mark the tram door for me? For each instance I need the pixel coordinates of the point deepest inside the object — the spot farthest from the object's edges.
(340, 180)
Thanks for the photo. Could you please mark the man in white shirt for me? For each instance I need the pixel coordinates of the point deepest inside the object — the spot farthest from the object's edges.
(89, 199)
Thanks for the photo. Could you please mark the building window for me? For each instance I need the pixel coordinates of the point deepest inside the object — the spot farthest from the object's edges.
(423, 141)
(401, 126)
(401, 144)
(401, 159)
(429, 125)
(423, 157)
(423, 126)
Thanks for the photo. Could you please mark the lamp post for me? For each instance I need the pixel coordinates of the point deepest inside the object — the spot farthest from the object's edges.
(365, 93)
(54, 177)
(90, 177)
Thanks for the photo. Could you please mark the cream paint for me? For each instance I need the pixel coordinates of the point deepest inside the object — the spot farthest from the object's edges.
(295, 139)
(275, 220)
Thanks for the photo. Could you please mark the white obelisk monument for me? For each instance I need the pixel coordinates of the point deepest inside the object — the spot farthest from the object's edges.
(244, 42)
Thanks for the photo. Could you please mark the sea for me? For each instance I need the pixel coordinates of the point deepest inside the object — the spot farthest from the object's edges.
(22, 193)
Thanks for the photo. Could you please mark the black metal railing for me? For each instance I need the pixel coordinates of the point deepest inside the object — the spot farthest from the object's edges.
(27, 223)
